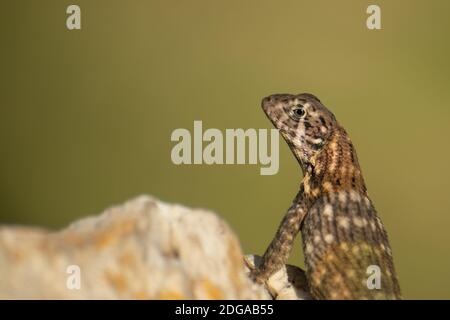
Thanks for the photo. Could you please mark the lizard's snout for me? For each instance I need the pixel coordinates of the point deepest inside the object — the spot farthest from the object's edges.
(266, 102)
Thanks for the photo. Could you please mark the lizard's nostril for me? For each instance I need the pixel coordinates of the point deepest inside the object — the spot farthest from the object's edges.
(266, 100)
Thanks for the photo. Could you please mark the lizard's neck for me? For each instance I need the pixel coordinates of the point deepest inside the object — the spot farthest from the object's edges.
(334, 168)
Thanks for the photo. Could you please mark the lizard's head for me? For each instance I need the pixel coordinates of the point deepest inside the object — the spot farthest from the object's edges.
(303, 121)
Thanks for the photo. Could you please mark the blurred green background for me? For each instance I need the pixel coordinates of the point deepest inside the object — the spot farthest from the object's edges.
(86, 116)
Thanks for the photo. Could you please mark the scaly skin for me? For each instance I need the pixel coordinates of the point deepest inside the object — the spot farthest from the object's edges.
(341, 232)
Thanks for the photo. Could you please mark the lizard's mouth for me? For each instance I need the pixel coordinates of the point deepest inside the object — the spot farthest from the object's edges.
(272, 119)
(276, 123)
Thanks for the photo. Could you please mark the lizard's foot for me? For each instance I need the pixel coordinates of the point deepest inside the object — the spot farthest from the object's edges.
(257, 276)
(256, 273)
(287, 283)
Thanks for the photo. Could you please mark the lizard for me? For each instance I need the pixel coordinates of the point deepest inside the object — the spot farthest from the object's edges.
(343, 238)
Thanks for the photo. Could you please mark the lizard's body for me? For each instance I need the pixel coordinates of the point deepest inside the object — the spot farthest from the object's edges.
(341, 232)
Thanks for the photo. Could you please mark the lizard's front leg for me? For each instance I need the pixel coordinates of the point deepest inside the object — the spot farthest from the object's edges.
(279, 249)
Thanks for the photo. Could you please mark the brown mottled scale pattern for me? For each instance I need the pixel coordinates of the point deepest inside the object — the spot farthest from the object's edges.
(341, 232)
(342, 237)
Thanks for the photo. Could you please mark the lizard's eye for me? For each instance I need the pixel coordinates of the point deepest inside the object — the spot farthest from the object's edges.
(298, 112)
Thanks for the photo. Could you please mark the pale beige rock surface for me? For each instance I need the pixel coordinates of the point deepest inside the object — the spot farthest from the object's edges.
(143, 249)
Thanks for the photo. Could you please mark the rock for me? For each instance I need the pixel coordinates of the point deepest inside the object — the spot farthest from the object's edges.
(143, 249)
